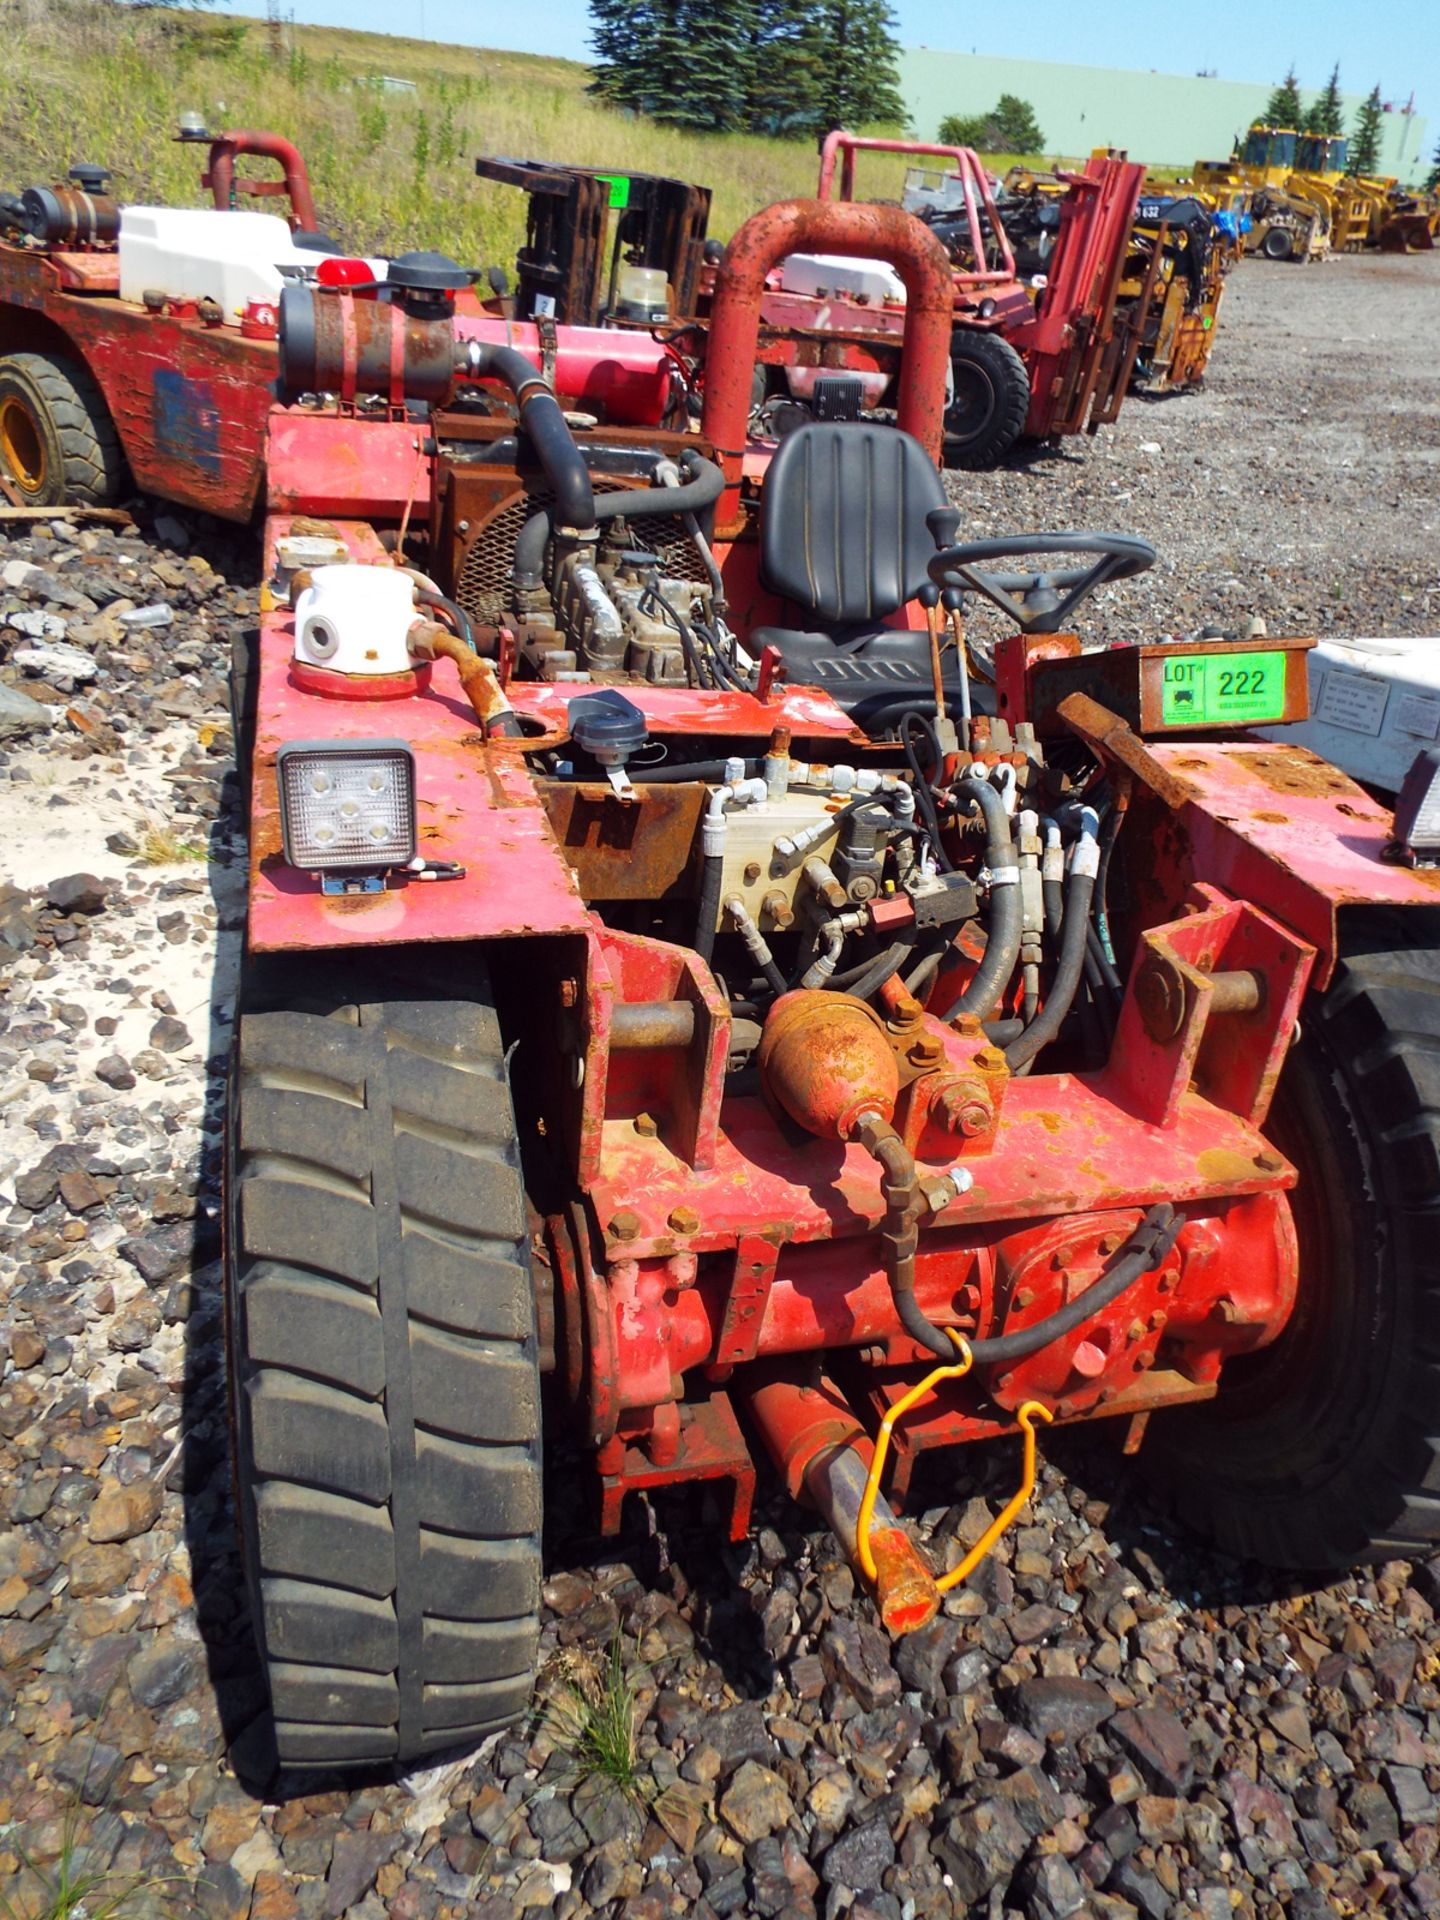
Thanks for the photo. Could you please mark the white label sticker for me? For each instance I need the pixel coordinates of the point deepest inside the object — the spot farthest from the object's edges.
(1353, 700)
(1415, 713)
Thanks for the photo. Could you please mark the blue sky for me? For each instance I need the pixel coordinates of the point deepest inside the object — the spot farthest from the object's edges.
(1237, 38)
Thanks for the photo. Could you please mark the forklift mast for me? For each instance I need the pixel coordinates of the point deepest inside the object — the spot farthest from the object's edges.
(603, 248)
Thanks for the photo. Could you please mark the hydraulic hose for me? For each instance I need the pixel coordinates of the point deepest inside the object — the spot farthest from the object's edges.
(900, 1231)
(755, 941)
(543, 421)
(1002, 949)
(455, 613)
(880, 970)
(700, 491)
(684, 770)
(711, 876)
(1074, 943)
(1141, 1254)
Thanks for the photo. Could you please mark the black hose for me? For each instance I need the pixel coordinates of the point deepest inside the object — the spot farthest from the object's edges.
(932, 1338)
(459, 619)
(1141, 1254)
(677, 770)
(701, 491)
(544, 423)
(709, 909)
(1107, 972)
(1073, 948)
(879, 971)
(1000, 1032)
(1052, 892)
(908, 724)
(1002, 948)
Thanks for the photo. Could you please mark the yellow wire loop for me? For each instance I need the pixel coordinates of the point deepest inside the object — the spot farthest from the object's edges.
(1030, 1412)
(956, 1371)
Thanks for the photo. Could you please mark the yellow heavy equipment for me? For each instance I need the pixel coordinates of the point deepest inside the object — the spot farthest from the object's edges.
(1286, 221)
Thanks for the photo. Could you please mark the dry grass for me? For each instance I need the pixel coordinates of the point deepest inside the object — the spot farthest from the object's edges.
(162, 846)
(91, 81)
(390, 169)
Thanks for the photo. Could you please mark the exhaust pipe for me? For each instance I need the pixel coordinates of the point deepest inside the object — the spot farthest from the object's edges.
(823, 1455)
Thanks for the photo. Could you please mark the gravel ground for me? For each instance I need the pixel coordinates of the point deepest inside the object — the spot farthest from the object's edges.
(1301, 483)
(1108, 1721)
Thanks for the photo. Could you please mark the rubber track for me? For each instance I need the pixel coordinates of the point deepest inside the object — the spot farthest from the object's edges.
(91, 455)
(388, 1392)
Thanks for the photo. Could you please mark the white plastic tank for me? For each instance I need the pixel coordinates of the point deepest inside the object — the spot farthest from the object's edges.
(840, 275)
(206, 253)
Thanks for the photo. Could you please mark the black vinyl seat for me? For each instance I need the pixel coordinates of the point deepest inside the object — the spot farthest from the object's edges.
(843, 538)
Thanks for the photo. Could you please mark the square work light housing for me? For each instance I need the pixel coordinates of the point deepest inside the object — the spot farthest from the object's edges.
(347, 808)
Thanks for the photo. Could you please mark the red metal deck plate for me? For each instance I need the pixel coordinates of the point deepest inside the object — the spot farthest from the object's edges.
(476, 805)
(1067, 1148)
(1281, 826)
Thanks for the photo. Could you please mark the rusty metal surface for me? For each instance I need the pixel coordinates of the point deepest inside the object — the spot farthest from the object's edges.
(1281, 825)
(826, 1059)
(189, 401)
(226, 148)
(1065, 1147)
(330, 463)
(948, 1419)
(710, 1446)
(640, 849)
(1228, 1043)
(476, 806)
(1112, 739)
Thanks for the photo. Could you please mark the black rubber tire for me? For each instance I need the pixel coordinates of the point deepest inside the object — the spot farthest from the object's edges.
(384, 1377)
(992, 397)
(1278, 244)
(82, 461)
(1323, 1451)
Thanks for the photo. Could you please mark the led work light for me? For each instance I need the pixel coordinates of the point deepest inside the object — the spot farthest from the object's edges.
(1417, 811)
(347, 810)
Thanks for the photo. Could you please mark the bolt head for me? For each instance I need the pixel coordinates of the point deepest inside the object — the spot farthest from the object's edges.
(646, 1125)
(1135, 1330)
(569, 993)
(684, 1220)
(624, 1225)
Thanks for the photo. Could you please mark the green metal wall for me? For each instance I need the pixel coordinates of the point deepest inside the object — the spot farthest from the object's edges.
(1164, 119)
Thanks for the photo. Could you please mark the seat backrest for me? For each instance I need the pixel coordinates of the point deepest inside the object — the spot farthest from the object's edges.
(842, 528)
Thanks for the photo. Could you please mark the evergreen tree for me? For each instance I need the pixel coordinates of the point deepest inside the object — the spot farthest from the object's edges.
(1432, 180)
(1326, 115)
(1365, 142)
(782, 69)
(797, 67)
(1282, 109)
(681, 62)
(857, 81)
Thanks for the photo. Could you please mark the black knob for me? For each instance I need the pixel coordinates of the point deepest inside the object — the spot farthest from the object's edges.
(929, 594)
(498, 281)
(952, 599)
(944, 524)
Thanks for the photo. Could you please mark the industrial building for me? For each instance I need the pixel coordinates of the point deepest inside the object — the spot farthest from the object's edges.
(1165, 119)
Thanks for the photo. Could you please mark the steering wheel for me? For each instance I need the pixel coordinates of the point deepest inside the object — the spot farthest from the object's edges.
(1040, 602)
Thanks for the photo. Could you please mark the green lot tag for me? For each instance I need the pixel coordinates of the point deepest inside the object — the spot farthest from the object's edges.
(619, 185)
(1223, 689)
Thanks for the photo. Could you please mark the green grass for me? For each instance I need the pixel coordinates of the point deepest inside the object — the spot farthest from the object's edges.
(92, 81)
(592, 1716)
(70, 1889)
